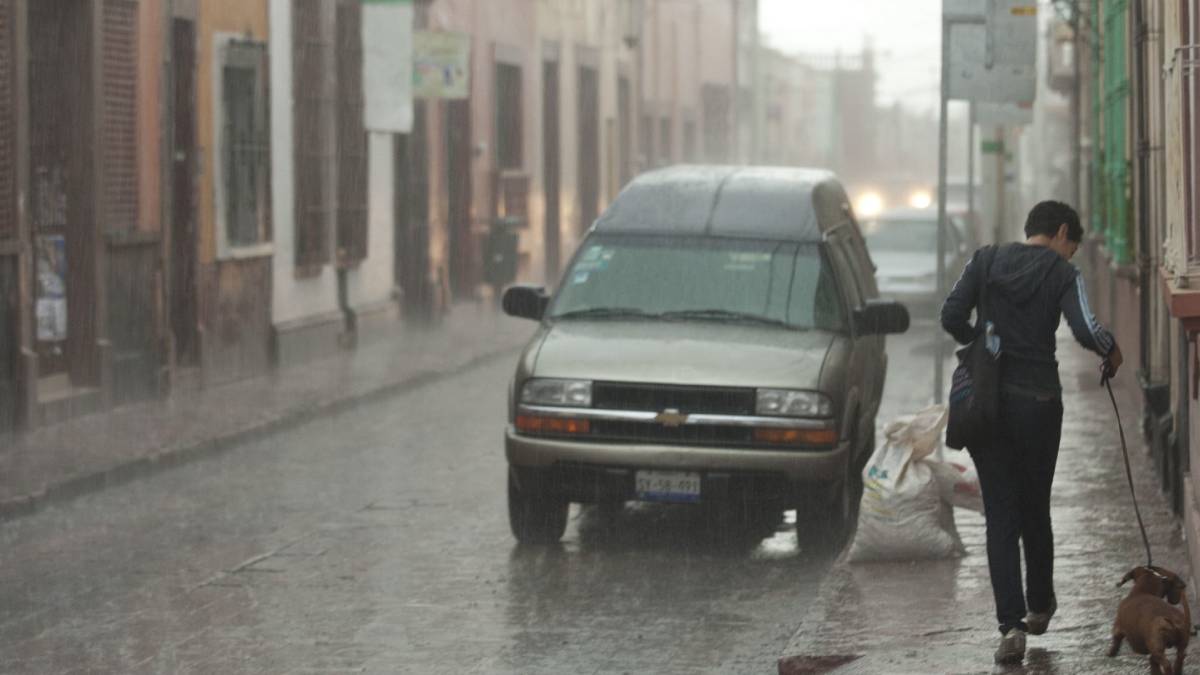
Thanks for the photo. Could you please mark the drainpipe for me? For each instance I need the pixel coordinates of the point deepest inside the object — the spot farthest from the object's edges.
(1142, 144)
(349, 337)
(167, 347)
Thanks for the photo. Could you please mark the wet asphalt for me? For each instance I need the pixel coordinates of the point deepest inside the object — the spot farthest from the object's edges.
(377, 541)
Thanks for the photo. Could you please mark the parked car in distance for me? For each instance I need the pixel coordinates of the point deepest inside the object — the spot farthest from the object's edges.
(717, 338)
(903, 244)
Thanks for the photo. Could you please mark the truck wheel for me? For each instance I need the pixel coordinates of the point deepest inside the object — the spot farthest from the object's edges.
(535, 514)
(826, 516)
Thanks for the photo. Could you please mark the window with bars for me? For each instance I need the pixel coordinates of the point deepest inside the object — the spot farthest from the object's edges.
(352, 161)
(313, 151)
(245, 145)
(508, 116)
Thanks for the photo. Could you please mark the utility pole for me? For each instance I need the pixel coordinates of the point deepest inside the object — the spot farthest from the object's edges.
(943, 141)
(971, 169)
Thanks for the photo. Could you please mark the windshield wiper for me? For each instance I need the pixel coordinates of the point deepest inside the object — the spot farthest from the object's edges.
(725, 315)
(608, 313)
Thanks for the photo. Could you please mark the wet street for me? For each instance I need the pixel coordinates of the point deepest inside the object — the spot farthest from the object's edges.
(377, 541)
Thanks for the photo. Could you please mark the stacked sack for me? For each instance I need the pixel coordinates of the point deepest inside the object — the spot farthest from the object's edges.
(910, 491)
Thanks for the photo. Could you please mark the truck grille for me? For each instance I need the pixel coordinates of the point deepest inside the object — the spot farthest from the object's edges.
(660, 397)
(650, 432)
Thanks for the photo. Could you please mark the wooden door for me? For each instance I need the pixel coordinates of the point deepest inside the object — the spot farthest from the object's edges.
(464, 263)
(412, 214)
(589, 146)
(183, 184)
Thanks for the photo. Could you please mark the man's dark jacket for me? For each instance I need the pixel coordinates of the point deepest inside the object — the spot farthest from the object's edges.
(1030, 289)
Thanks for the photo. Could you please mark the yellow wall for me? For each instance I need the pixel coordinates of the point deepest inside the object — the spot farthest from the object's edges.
(249, 19)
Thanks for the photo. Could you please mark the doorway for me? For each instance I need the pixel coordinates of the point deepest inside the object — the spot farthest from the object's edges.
(589, 146)
(184, 310)
(464, 272)
(62, 194)
(552, 168)
(412, 215)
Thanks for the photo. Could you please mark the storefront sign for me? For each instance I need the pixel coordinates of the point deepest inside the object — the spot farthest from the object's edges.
(442, 65)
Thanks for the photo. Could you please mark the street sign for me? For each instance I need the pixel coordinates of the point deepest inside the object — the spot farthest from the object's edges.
(1004, 114)
(387, 40)
(993, 50)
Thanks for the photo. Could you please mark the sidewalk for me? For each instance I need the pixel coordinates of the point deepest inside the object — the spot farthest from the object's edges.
(939, 617)
(89, 453)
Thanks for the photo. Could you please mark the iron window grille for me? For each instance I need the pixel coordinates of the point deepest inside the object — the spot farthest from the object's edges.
(245, 145)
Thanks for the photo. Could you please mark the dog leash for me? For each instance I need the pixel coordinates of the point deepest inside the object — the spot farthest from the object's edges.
(1106, 381)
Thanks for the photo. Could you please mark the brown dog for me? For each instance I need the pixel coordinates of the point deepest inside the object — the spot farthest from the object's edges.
(1148, 618)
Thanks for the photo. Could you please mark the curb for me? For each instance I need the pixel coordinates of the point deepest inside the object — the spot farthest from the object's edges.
(797, 658)
(151, 464)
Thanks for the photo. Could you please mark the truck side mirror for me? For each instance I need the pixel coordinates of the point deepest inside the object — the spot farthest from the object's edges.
(881, 317)
(526, 302)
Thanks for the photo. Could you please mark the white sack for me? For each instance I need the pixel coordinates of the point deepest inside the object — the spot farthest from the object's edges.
(958, 482)
(903, 515)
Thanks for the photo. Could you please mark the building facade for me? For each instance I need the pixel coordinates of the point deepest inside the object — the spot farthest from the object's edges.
(1139, 184)
(81, 325)
(189, 195)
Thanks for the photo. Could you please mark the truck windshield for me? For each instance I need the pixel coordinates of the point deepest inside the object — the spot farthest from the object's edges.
(701, 279)
(911, 236)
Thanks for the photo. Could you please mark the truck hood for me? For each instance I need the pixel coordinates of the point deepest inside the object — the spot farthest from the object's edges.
(684, 352)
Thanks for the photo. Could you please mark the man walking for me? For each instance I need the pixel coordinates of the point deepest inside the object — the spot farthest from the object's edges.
(1031, 286)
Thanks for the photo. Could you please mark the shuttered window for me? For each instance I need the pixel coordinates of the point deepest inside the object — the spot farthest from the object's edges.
(352, 137)
(118, 123)
(245, 144)
(8, 124)
(312, 51)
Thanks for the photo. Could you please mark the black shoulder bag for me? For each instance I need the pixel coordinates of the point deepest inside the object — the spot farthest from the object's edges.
(975, 385)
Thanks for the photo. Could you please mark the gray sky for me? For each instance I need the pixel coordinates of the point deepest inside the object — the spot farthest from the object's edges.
(906, 35)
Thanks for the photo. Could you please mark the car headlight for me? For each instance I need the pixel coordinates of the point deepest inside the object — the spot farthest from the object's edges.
(793, 403)
(546, 391)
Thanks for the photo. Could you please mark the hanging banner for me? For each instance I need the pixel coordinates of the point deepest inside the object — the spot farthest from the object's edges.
(387, 41)
(442, 65)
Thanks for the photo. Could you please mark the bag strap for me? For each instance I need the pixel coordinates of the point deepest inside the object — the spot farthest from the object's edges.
(986, 273)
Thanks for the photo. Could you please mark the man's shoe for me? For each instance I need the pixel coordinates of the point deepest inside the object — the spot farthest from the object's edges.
(1038, 622)
(1012, 647)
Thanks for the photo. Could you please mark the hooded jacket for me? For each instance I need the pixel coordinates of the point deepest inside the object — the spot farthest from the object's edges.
(1030, 289)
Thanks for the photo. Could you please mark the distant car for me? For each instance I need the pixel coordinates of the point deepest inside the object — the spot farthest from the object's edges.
(717, 338)
(903, 244)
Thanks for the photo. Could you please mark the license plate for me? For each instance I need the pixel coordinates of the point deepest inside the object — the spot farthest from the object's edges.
(668, 486)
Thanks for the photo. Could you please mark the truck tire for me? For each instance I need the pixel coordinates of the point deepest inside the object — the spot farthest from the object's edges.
(535, 514)
(827, 515)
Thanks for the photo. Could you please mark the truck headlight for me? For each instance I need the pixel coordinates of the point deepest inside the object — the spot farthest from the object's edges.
(793, 403)
(547, 391)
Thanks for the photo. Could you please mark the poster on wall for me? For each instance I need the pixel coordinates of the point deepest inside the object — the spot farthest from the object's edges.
(387, 39)
(51, 309)
(441, 65)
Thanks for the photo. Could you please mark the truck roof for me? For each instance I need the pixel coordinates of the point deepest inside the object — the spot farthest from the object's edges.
(792, 204)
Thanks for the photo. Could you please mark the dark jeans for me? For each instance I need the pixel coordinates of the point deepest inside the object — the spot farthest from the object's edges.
(1016, 473)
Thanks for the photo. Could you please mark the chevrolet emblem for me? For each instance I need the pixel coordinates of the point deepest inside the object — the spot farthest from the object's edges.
(671, 418)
